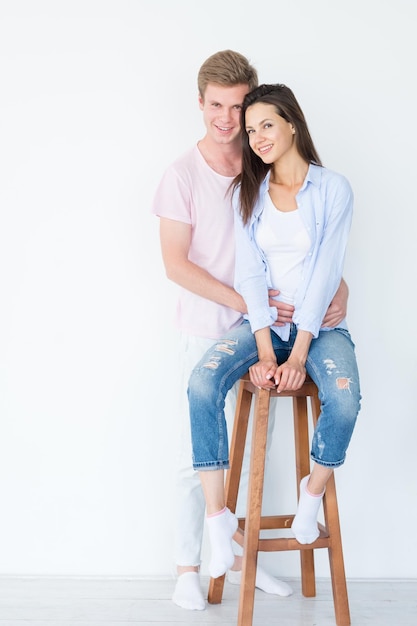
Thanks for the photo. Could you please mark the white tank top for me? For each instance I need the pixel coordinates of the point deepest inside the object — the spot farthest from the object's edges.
(285, 242)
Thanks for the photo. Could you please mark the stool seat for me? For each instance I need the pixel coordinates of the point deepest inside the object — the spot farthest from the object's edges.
(251, 526)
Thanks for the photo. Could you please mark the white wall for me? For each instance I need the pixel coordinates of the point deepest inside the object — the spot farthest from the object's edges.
(97, 98)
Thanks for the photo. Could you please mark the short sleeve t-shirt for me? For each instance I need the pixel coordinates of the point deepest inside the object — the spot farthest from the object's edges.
(191, 192)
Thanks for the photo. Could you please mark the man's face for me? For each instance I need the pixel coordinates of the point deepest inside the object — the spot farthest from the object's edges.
(221, 111)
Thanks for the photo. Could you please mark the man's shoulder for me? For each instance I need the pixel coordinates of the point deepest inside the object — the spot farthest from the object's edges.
(186, 161)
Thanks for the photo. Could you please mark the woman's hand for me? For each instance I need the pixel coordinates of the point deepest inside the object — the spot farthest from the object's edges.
(262, 373)
(290, 376)
(266, 374)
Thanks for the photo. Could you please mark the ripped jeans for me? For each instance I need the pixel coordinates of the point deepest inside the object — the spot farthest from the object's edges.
(331, 364)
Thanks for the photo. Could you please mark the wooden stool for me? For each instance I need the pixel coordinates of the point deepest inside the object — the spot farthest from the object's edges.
(250, 527)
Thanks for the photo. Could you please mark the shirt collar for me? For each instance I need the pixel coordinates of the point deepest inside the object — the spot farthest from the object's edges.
(313, 176)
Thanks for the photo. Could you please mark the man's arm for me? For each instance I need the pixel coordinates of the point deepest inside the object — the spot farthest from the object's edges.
(338, 306)
(335, 313)
(175, 240)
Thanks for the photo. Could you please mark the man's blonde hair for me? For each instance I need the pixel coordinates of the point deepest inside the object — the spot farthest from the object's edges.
(227, 68)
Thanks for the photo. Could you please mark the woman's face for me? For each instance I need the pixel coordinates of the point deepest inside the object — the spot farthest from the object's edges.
(270, 136)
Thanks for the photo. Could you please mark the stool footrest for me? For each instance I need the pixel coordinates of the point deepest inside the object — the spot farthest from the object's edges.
(281, 544)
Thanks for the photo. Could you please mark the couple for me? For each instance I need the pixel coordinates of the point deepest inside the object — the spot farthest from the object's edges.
(278, 300)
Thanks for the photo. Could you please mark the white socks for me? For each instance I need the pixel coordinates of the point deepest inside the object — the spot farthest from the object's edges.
(188, 594)
(304, 526)
(221, 527)
(263, 581)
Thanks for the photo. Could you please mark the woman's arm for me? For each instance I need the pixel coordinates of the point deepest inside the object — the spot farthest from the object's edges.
(288, 376)
(251, 279)
(324, 269)
(262, 373)
(291, 374)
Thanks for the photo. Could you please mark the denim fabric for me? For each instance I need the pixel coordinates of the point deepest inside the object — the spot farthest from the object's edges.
(331, 364)
(189, 514)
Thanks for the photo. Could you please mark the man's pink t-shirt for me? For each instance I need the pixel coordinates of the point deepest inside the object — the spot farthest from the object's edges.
(191, 192)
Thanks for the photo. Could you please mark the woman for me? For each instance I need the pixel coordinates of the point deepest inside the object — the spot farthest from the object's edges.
(292, 222)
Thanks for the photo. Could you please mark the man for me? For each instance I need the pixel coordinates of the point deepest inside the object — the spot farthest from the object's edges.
(196, 234)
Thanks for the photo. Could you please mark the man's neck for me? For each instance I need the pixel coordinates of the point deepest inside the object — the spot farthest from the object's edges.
(225, 159)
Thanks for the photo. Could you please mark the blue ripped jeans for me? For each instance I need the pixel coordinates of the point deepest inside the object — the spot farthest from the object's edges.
(331, 363)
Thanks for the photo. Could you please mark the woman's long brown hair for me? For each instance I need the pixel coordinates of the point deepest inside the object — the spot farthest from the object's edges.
(254, 169)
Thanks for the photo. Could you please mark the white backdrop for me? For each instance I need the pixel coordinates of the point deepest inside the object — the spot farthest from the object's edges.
(97, 98)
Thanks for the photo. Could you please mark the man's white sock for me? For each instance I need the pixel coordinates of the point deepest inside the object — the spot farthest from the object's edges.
(263, 581)
(187, 593)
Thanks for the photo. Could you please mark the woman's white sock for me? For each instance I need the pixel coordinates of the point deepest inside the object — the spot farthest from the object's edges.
(304, 526)
(221, 527)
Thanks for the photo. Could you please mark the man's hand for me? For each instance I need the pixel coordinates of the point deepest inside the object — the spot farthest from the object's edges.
(285, 311)
(338, 307)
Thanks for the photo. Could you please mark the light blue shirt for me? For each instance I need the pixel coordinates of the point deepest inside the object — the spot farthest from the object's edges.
(325, 202)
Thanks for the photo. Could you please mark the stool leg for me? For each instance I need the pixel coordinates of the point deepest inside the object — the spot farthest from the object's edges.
(337, 567)
(254, 508)
(331, 518)
(302, 461)
(237, 449)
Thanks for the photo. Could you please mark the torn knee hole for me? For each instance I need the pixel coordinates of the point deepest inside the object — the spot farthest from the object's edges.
(343, 383)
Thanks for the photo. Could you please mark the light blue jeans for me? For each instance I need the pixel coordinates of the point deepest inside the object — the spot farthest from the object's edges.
(331, 363)
(189, 512)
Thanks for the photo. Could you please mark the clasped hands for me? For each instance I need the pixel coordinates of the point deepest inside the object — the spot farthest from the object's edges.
(267, 374)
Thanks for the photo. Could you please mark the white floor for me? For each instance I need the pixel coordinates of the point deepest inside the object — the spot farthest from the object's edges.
(110, 602)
